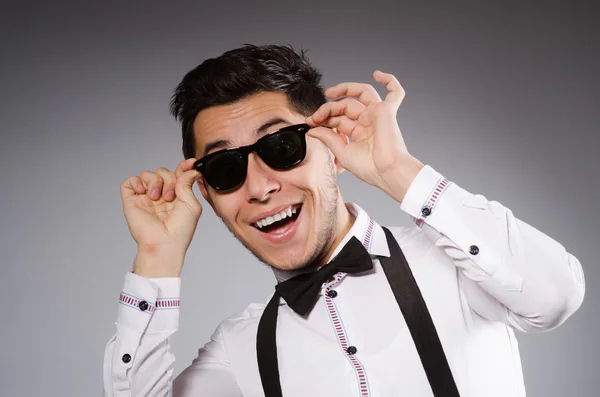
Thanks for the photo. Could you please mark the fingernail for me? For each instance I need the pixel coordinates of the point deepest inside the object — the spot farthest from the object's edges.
(170, 195)
(140, 186)
(155, 192)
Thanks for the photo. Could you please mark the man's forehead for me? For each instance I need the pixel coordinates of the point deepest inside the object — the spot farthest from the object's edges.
(241, 119)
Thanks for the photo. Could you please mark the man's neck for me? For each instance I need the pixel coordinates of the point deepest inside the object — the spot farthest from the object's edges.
(345, 220)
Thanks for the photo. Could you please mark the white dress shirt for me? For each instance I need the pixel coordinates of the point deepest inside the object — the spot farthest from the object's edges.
(483, 273)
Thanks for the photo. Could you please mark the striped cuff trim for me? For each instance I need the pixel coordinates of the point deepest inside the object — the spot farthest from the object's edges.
(167, 303)
(432, 200)
(136, 303)
(148, 307)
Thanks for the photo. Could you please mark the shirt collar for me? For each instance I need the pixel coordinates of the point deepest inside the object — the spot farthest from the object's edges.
(365, 229)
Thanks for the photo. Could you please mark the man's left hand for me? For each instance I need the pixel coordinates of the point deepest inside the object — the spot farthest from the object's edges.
(364, 136)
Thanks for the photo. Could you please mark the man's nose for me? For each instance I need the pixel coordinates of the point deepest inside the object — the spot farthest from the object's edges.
(261, 180)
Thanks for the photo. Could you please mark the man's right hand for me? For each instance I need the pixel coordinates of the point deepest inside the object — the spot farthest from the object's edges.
(162, 213)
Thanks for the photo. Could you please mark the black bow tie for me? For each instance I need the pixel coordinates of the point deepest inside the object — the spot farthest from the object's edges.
(301, 292)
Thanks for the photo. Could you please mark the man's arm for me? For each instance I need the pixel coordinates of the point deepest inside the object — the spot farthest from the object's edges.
(138, 360)
(510, 271)
(162, 214)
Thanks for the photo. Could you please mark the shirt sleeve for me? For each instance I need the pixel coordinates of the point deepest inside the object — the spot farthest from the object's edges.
(138, 359)
(509, 271)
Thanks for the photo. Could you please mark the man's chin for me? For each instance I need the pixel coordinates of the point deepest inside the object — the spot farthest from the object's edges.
(301, 262)
(285, 264)
(292, 256)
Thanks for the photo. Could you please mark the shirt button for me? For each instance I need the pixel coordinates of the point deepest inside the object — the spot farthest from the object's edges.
(332, 293)
(351, 350)
(143, 305)
(126, 358)
(426, 211)
(474, 250)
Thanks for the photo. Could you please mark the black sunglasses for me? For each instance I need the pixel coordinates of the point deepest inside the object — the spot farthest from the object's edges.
(280, 150)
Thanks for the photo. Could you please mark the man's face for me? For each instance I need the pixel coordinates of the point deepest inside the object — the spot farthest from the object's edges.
(309, 189)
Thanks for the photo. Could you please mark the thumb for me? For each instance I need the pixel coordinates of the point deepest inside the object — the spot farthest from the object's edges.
(335, 141)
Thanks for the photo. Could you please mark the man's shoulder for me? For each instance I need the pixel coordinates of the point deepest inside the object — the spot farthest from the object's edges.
(412, 238)
(244, 322)
(402, 231)
(406, 233)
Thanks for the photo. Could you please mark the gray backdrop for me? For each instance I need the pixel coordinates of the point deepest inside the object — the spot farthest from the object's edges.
(500, 99)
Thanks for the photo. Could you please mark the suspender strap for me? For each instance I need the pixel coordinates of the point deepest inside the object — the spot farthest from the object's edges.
(266, 349)
(418, 320)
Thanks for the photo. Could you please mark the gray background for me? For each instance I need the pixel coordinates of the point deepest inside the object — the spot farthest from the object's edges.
(502, 99)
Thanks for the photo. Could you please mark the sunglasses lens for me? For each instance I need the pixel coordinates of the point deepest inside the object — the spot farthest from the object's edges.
(283, 150)
(226, 170)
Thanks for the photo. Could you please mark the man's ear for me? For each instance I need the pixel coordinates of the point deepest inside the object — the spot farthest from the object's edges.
(204, 191)
(338, 167)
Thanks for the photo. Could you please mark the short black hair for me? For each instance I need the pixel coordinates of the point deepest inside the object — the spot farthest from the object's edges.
(240, 73)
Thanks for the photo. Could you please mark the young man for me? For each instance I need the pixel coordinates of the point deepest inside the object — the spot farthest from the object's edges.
(265, 145)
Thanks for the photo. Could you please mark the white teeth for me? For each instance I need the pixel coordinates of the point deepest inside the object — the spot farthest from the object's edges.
(275, 218)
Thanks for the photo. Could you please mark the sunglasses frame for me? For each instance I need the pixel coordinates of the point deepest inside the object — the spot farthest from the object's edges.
(246, 150)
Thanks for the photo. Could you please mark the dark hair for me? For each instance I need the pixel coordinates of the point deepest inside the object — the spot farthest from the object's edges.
(242, 72)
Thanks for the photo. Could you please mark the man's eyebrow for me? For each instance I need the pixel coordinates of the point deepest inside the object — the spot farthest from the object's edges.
(223, 143)
(274, 121)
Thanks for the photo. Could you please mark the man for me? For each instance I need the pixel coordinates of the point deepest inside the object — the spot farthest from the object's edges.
(264, 145)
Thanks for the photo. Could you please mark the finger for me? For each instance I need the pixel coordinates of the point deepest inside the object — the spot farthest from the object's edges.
(334, 141)
(183, 188)
(349, 107)
(365, 93)
(135, 183)
(396, 93)
(153, 183)
(342, 124)
(132, 186)
(169, 180)
(184, 166)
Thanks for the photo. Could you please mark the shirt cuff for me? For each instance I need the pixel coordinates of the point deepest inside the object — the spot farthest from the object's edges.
(435, 204)
(149, 304)
(424, 194)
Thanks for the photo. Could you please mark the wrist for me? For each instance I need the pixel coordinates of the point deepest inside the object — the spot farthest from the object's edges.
(158, 264)
(397, 180)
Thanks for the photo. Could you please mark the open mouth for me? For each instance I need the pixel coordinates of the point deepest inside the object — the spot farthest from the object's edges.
(280, 222)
